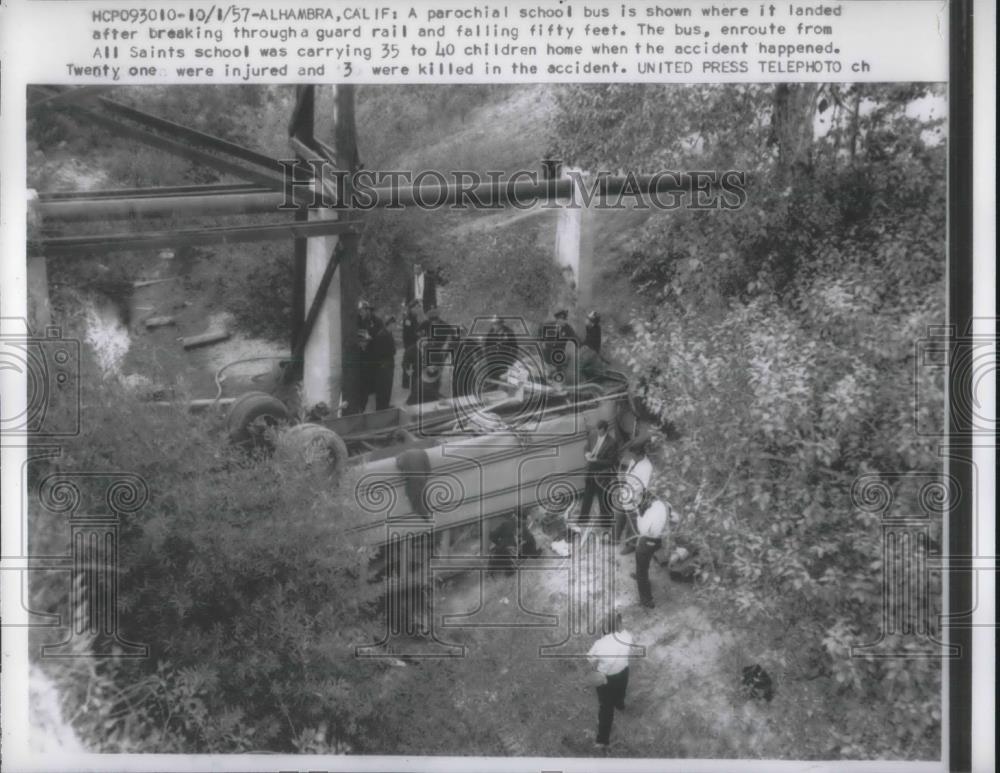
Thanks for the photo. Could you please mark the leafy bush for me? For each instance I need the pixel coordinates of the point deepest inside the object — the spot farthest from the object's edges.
(241, 578)
(777, 341)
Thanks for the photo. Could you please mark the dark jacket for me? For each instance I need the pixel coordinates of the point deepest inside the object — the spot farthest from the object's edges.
(555, 334)
(607, 456)
(592, 336)
(366, 334)
(382, 349)
(410, 330)
(429, 298)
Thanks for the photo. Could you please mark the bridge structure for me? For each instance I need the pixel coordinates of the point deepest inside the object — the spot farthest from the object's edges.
(325, 277)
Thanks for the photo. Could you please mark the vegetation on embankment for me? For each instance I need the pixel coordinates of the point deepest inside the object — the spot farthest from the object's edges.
(774, 342)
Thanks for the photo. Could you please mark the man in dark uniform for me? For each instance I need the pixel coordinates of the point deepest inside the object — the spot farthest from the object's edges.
(383, 363)
(368, 325)
(560, 356)
(411, 334)
(592, 332)
(557, 333)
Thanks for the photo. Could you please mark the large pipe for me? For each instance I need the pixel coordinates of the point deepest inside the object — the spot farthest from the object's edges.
(214, 189)
(138, 207)
(494, 194)
(102, 243)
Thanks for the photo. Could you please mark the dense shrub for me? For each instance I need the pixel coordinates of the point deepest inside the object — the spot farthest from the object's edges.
(778, 342)
(240, 576)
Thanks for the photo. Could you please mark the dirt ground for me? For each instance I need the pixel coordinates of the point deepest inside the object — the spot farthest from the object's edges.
(683, 696)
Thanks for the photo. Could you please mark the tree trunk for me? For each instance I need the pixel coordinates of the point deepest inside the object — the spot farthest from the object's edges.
(793, 112)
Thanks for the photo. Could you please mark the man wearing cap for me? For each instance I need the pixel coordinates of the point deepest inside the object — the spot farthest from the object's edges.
(592, 332)
(368, 326)
(383, 364)
(601, 455)
(652, 528)
(556, 334)
(635, 476)
(610, 654)
(411, 334)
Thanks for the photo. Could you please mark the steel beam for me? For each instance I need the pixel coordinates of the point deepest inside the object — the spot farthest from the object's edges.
(300, 126)
(100, 243)
(383, 196)
(159, 192)
(270, 179)
(172, 129)
(65, 97)
(193, 136)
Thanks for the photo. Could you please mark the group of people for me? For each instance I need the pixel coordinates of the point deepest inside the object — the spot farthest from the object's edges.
(444, 360)
(641, 520)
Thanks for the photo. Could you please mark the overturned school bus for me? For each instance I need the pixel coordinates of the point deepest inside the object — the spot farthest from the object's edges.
(461, 461)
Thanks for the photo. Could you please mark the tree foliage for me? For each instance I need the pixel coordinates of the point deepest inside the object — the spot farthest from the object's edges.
(777, 341)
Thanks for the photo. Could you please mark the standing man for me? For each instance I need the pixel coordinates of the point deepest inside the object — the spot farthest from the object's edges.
(383, 364)
(556, 334)
(592, 332)
(421, 286)
(411, 334)
(601, 455)
(368, 326)
(635, 476)
(651, 526)
(559, 331)
(610, 654)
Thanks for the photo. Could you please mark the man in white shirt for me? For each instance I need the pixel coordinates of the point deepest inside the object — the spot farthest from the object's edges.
(635, 476)
(611, 655)
(422, 286)
(651, 527)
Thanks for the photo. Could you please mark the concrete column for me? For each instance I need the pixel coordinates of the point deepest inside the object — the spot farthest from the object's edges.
(575, 245)
(322, 378)
(39, 310)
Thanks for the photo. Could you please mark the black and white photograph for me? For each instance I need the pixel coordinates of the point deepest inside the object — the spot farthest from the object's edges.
(499, 386)
(465, 430)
